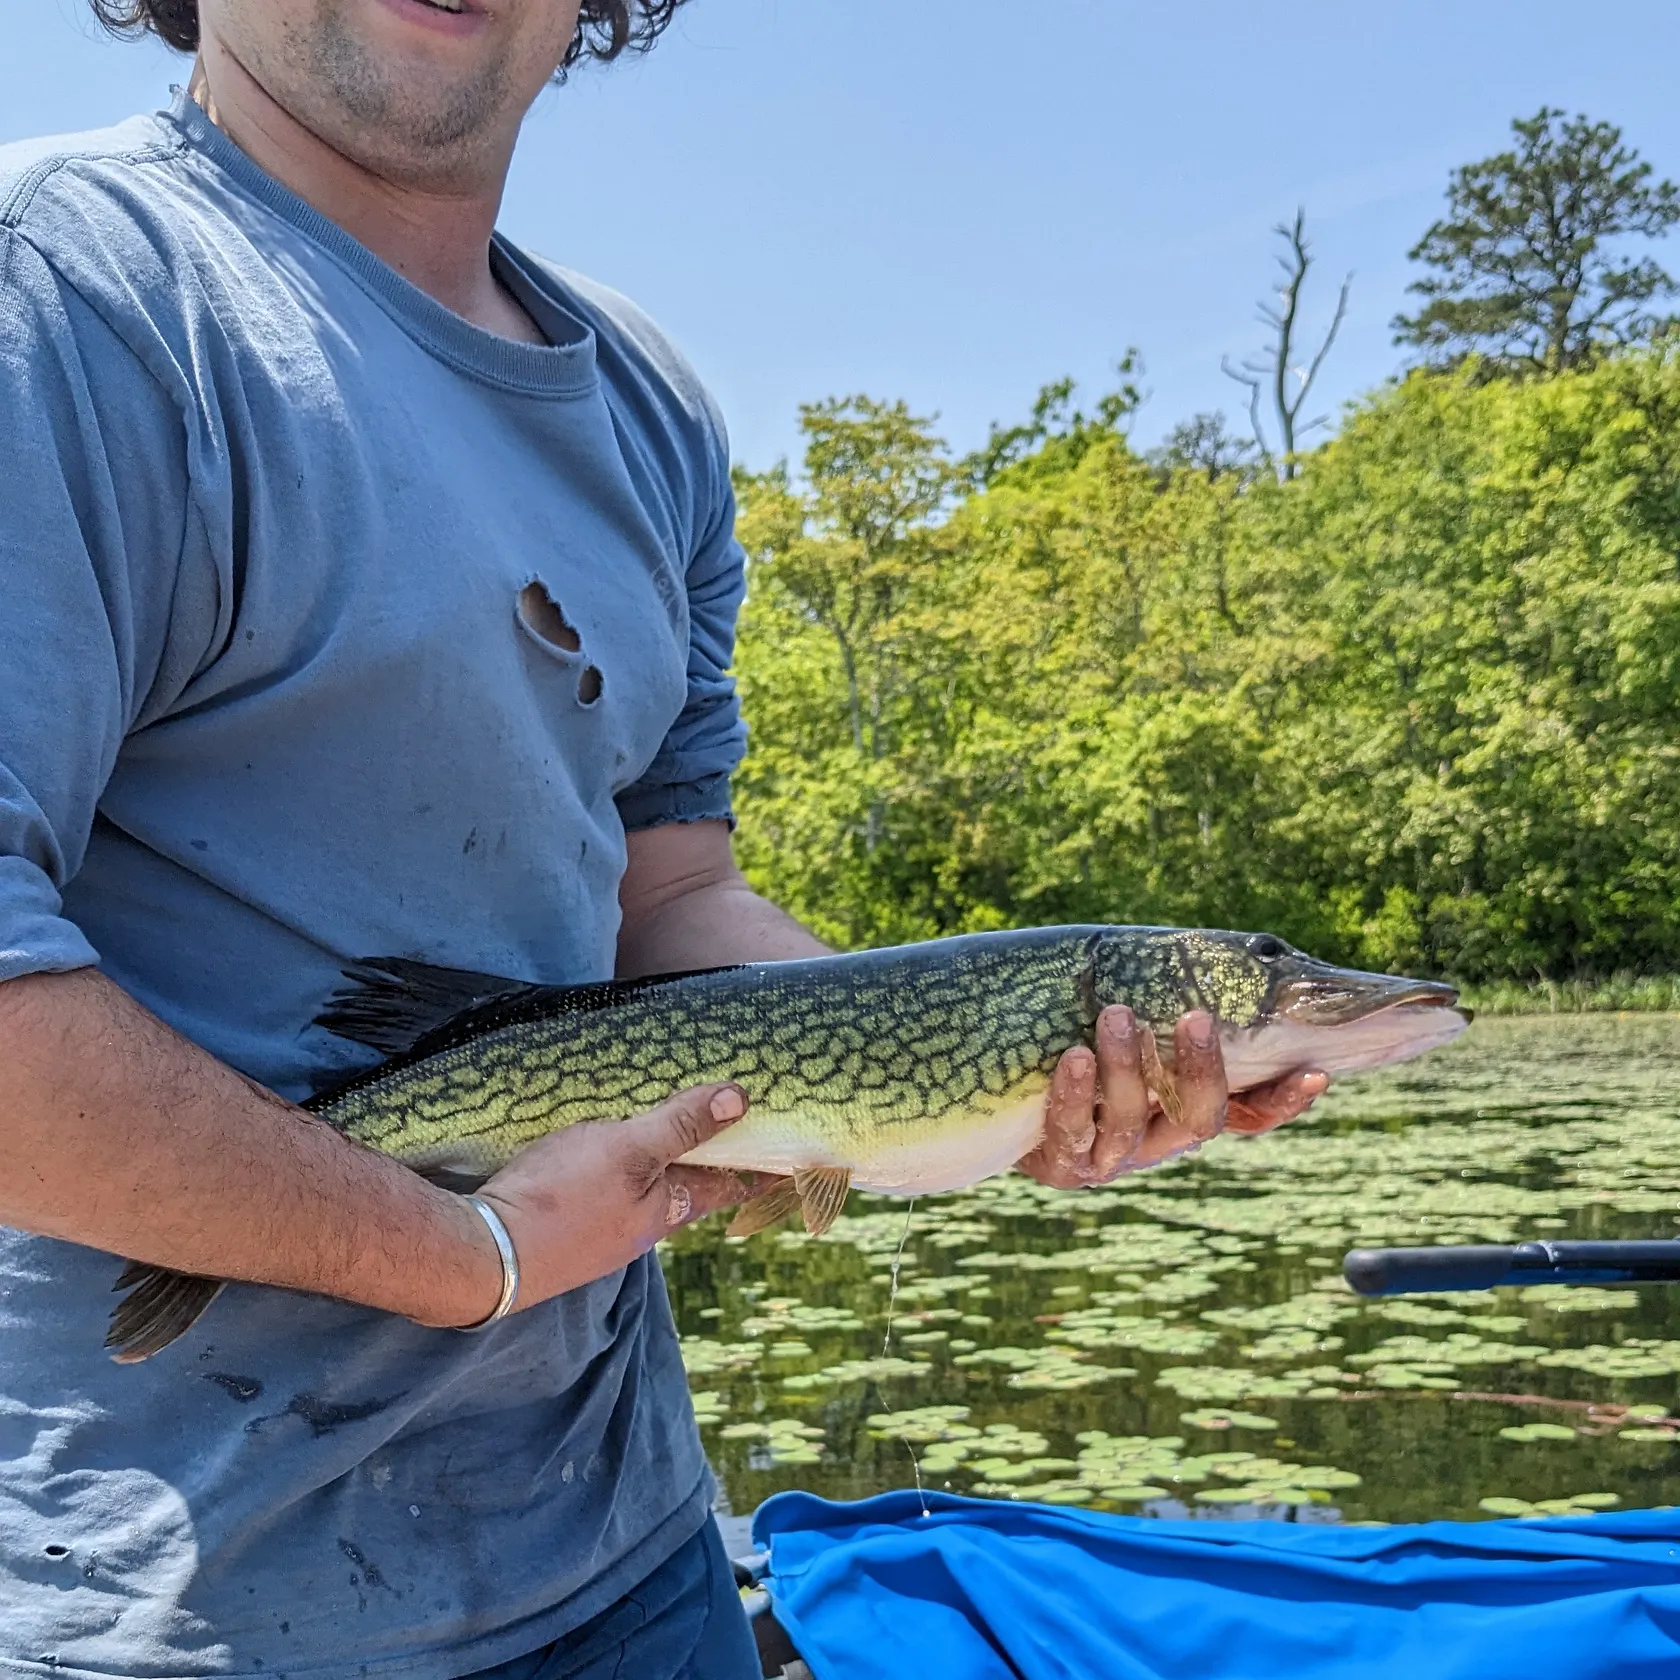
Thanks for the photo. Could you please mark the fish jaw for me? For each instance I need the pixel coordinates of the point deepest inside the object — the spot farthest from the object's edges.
(950, 1152)
(1255, 1055)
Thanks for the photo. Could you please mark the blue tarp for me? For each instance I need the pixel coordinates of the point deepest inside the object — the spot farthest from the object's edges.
(989, 1590)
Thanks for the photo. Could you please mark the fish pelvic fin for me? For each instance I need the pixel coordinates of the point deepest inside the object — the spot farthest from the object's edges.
(1159, 1078)
(764, 1211)
(822, 1194)
(161, 1306)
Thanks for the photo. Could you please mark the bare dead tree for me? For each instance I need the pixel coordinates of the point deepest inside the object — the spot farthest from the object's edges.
(1276, 368)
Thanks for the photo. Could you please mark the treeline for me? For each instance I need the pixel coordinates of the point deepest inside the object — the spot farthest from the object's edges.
(1414, 707)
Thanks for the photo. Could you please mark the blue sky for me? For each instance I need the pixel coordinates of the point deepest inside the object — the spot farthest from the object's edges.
(956, 201)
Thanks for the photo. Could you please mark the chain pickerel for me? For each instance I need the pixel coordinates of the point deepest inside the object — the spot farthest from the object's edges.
(909, 1071)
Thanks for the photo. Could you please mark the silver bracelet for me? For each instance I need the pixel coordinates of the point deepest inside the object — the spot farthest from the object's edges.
(510, 1265)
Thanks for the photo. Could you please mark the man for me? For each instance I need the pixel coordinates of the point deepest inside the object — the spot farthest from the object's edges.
(367, 587)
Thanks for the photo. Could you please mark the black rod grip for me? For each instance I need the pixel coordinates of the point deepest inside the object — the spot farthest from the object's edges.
(1394, 1271)
(1398, 1271)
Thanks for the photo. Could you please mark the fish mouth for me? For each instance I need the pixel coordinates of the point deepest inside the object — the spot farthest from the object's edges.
(1339, 1021)
(1338, 997)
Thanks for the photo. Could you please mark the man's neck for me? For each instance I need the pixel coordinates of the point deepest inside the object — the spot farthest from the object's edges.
(437, 240)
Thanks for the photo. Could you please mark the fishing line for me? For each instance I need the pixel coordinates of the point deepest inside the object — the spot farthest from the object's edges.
(886, 1349)
(892, 1294)
(916, 1471)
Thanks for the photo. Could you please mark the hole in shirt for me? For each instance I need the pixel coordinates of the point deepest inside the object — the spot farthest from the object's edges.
(542, 616)
(540, 613)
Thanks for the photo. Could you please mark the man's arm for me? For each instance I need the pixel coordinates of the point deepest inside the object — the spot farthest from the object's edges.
(126, 1137)
(686, 906)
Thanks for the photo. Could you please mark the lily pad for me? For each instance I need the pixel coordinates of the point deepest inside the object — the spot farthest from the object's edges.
(1217, 1418)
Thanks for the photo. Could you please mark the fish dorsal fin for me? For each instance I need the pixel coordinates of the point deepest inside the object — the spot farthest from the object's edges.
(764, 1211)
(822, 1194)
(413, 1009)
(392, 1003)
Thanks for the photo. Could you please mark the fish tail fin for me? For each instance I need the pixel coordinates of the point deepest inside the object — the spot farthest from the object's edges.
(161, 1306)
(822, 1194)
(764, 1211)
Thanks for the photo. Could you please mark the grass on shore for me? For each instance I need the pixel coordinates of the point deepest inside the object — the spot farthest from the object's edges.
(1620, 993)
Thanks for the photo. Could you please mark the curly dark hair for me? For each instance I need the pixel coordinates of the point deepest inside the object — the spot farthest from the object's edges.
(605, 29)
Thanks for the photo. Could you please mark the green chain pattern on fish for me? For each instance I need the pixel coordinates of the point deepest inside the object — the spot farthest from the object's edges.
(877, 1042)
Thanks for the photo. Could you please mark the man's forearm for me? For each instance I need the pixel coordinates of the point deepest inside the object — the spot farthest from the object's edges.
(725, 922)
(123, 1136)
(687, 906)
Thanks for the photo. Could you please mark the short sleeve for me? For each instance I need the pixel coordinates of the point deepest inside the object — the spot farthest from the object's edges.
(689, 779)
(92, 511)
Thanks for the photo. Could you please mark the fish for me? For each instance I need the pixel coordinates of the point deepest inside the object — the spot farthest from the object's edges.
(906, 1070)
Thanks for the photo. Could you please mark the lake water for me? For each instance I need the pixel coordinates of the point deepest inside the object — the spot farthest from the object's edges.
(1181, 1343)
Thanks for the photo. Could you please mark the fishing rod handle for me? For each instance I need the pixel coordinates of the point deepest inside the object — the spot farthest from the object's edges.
(1397, 1271)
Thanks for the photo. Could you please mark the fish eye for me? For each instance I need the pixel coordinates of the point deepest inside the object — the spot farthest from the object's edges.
(1266, 948)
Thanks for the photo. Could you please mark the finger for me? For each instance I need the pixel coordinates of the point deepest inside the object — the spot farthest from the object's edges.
(1200, 1073)
(1164, 1138)
(681, 1123)
(706, 1190)
(1070, 1126)
(1270, 1105)
(1123, 1110)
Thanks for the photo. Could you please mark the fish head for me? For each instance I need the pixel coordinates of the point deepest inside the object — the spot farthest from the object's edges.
(1278, 1009)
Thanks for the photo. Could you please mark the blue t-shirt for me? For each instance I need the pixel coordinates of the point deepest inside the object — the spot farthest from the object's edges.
(268, 703)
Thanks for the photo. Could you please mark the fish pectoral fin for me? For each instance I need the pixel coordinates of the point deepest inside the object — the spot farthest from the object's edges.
(161, 1306)
(1158, 1078)
(463, 1181)
(764, 1211)
(822, 1194)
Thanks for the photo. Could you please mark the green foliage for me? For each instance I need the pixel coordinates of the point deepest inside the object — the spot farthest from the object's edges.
(1058, 432)
(1612, 995)
(1415, 708)
(1204, 443)
(1526, 271)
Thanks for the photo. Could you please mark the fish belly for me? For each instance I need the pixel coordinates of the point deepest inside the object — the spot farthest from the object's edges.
(904, 1158)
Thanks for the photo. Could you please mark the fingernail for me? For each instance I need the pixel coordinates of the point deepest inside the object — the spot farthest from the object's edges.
(1121, 1023)
(1318, 1083)
(681, 1205)
(1198, 1025)
(729, 1104)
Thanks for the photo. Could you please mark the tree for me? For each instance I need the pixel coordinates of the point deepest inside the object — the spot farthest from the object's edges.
(1054, 417)
(1204, 443)
(1276, 366)
(1414, 708)
(1525, 267)
(846, 553)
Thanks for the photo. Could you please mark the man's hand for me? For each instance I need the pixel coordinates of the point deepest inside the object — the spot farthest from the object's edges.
(582, 1202)
(1101, 1120)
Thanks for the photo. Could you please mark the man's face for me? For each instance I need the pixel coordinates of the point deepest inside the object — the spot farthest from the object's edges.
(423, 92)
